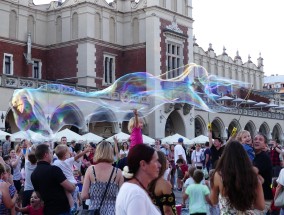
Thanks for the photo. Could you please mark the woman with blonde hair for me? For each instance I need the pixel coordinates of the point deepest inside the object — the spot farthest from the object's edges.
(102, 181)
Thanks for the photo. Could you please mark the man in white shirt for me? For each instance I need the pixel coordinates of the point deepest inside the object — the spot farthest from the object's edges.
(179, 151)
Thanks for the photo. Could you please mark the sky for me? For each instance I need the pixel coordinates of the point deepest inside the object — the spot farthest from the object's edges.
(248, 26)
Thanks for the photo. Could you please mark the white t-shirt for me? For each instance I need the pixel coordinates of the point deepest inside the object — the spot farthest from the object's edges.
(66, 167)
(29, 168)
(179, 151)
(196, 156)
(280, 178)
(133, 200)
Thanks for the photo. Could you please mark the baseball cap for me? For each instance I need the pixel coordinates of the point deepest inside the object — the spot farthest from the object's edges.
(180, 140)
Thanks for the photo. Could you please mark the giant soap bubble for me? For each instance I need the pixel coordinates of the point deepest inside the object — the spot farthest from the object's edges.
(47, 109)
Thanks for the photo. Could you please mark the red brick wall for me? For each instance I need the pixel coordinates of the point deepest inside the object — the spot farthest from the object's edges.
(61, 63)
(125, 61)
(163, 45)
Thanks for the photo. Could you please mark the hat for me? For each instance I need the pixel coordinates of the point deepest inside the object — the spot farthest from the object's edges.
(93, 145)
(180, 140)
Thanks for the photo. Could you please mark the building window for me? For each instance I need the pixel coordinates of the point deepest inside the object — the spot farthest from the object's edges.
(37, 69)
(109, 69)
(8, 64)
(174, 62)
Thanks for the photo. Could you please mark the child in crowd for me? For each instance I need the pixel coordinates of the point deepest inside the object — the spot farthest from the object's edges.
(181, 172)
(65, 163)
(35, 207)
(274, 210)
(188, 182)
(135, 126)
(245, 139)
(198, 195)
(79, 178)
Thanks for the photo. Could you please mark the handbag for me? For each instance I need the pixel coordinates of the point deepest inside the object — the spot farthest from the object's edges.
(97, 211)
(279, 200)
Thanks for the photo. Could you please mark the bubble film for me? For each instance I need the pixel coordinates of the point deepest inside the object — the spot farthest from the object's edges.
(47, 109)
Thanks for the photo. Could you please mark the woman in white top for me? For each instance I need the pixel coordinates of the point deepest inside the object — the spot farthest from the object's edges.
(197, 157)
(133, 197)
(124, 150)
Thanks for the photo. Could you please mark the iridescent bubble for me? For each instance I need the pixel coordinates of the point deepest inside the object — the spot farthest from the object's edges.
(47, 109)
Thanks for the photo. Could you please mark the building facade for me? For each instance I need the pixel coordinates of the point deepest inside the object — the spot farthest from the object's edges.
(88, 44)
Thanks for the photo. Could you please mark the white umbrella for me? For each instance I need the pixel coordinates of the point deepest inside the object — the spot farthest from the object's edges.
(260, 104)
(3, 135)
(90, 137)
(225, 98)
(174, 139)
(200, 139)
(249, 102)
(71, 135)
(30, 135)
(148, 140)
(271, 105)
(279, 107)
(120, 136)
(238, 100)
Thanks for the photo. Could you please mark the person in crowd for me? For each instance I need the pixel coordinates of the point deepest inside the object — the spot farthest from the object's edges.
(143, 167)
(179, 151)
(51, 183)
(30, 166)
(96, 180)
(245, 139)
(213, 209)
(197, 157)
(263, 163)
(16, 161)
(35, 207)
(157, 145)
(182, 169)
(65, 162)
(275, 154)
(236, 184)
(280, 187)
(187, 182)
(123, 152)
(165, 149)
(273, 209)
(88, 158)
(207, 156)
(7, 201)
(63, 141)
(7, 160)
(216, 148)
(6, 146)
(171, 158)
(167, 174)
(135, 126)
(161, 190)
(198, 195)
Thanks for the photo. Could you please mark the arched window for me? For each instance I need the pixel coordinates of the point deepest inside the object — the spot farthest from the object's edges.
(112, 30)
(13, 24)
(31, 26)
(75, 26)
(98, 26)
(59, 29)
(135, 32)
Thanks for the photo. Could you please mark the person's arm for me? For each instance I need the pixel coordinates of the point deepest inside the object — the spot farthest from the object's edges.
(208, 200)
(81, 154)
(24, 210)
(116, 151)
(215, 189)
(207, 159)
(86, 185)
(15, 162)
(136, 124)
(68, 186)
(279, 150)
(6, 198)
(210, 138)
(259, 203)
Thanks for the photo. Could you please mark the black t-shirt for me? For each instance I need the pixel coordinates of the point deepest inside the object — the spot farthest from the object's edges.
(207, 152)
(46, 179)
(263, 163)
(215, 155)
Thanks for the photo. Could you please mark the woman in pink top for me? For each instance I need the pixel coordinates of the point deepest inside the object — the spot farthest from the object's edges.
(135, 126)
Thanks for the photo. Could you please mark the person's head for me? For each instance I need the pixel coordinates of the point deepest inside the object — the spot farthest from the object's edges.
(244, 137)
(76, 173)
(180, 140)
(32, 158)
(273, 143)
(207, 144)
(180, 162)
(73, 143)
(62, 152)
(36, 200)
(143, 159)
(191, 171)
(77, 148)
(7, 137)
(172, 147)
(197, 147)
(63, 140)
(217, 142)
(259, 142)
(43, 153)
(198, 176)
(125, 145)
(12, 153)
(93, 147)
(104, 153)
(7, 159)
(163, 161)
(131, 124)
(24, 143)
(239, 179)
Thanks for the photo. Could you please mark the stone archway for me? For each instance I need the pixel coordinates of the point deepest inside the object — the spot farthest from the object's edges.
(264, 129)
(200, 126)
(250, 127)
(174, 124)
(218, 128)
(277, 133)
(234, 124)
(10, 124)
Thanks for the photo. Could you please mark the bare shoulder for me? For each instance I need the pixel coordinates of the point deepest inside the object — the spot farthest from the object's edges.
(165, 186)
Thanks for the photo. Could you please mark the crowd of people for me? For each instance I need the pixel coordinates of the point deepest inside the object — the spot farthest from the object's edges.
(129, 177)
